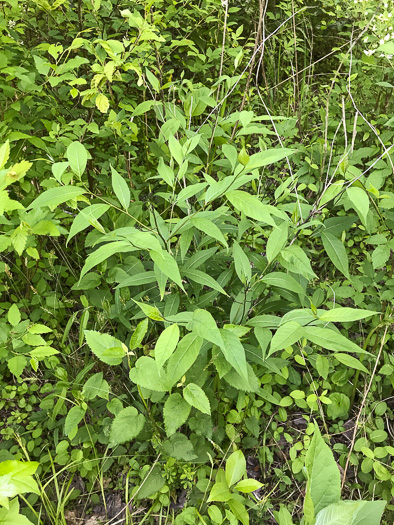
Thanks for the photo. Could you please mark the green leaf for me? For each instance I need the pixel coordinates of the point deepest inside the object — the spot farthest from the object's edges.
(380, 256)
(14, 315)
(210, 228)
(102, 103)
(248, 485)
(138, 279)
(145, 106)
(56, 196)
(234, 353)
(277, 240)
(121, 189)
(242, 264)
(175, 149)
(153, 482)
(176, 411)
(219, 492)
(183, 357)
(336, 252)
(286, 335)
(203, 278)
(74, 417)
(331, 340)
(145, 374)
(17, 364)
(197, 398)
(104, 252)
(4, 154)
(204, 325)
(11, 515)
(283, 280)
(351, 362)
(77, 158)
(138, 334)
(16, 478)
(269, 156)
(331, 192)
(166, 173)
(250, 205)
(85, 218)
(345, 315)
(324, 479)
(235, 467)
(179, 447)
(352, 513)
(150, 311)
(295, 260)
(127, 424)
(42, 352)
(166, 344)
(167, 265)
(105, 347)
(95, 386)
(360, 201)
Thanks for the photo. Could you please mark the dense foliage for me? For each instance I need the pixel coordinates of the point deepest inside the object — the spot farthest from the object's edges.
(197, 214)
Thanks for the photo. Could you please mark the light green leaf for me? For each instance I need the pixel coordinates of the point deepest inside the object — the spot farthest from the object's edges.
(324, 479)
(204, 325)
(14, 315)
(138, 334)
(351, 513)
(17, 364)
(95, 386)
(234, 353)
(138, 279)
(4, 154)
(197, 398)
(235, 467)
(104, 252)
(345, 315)
(85, 218)
(166, 173)
(150, 311)
(286, 335)
(145, 374)
(269, 156)
(11, 515)
(176, 411)
(248, 485)
(331, 340)
(175, 149)
(242, 264)
(105, 347)
(77, 157)
(380, 256)
(331, 192)
(210, 228)
(56, 196)
(166, 344)
(277, 240)
(250, 205)
(203, 278)
(167, 265)
(42, 352)
(121, 189)
(294, 259)
(102, 103)
(219, 492)
(127, 424)
(351, 362)
(283, 280)
(74, 417)
(183, 357)
(145, 106)
(360, 201)
(336, 252)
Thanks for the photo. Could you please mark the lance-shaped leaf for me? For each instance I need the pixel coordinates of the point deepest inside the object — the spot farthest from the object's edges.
(336, 252)
(250, 205)
(56, 196)
(77, 157)
(121, 189)
(166, 344)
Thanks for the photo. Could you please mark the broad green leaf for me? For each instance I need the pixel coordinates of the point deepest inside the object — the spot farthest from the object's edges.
(104, 252)
(152, 482)
(277, 240)
(210, 228)
(138, 334)
(200, 257)
(144, 241)
(102, 103)
(167, 265)
(145, 106)
(324, 479)
(352, 513)
(331, 192)
(235, 467)
(121, 189)
(105, 347)
(150, 311)
(248, 485)
(42, 352)
(145, 374)
(183, 358)
(250, 205)
(219, 492)
(360, 201)
(85, 218)
(16, 478)
(336, 252)
(351, 362)
(14, 315)
(138, 279)
(234, 353)
(127, 424)
(180, 447)
(204, 325)
(380, 256)
(294, 259)
(74, 417)
(197, 398)
(286, 335)
(166, 344)
(4, 154)
(95, 386)
(56, 196)
(189, 192)
(242, 264)
(33, 339)
(175, 149)
(331, 340)
(77, 157)
(269, 156)
(166, 173)
(176, 411)
(283, 280)
(11, 516)
(203, 278)
(17, 364)
(344, 315)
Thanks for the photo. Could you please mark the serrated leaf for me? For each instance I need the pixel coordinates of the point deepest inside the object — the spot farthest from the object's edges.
(105, 347)
(197, 398)
(176, 411)
(14, 315)
(166, 344)
(127, 424)
(17, 364)
(121, 189)
(102, 103)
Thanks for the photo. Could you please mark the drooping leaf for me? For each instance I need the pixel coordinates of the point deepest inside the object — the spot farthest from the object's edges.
(104, 252)
(121, 189)
(242, 264)
(342, 314)
(167, 265)
(56, 196)
(276, 241)
(336, 252)
(203, 278)
(283, 280)
(331, 340)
